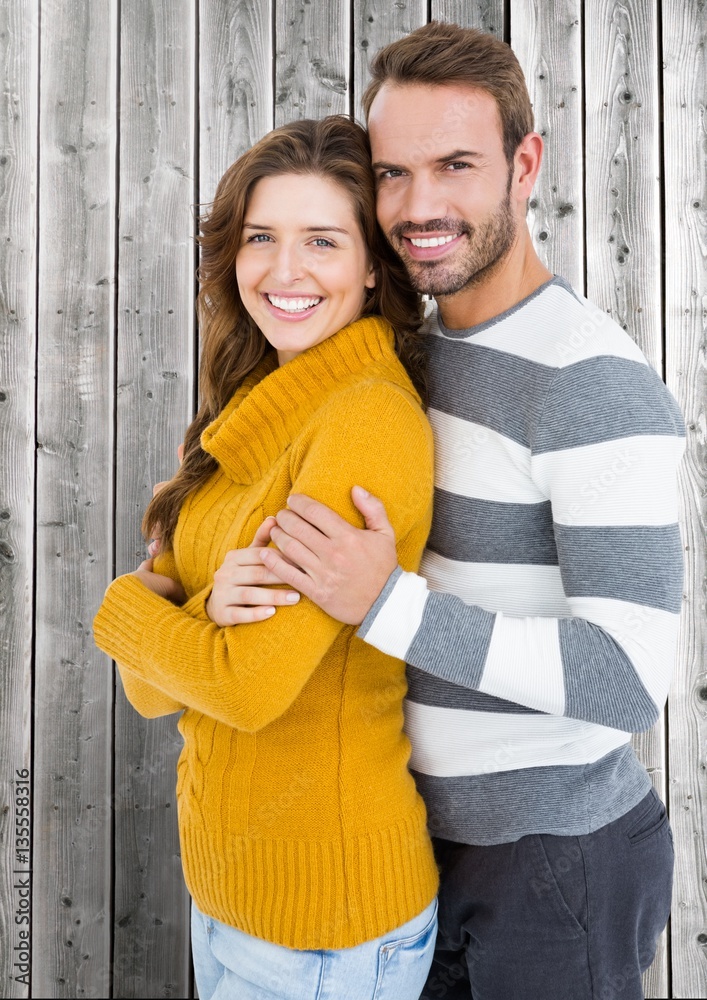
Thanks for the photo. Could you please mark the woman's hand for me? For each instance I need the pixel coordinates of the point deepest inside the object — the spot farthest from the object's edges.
(241, 593)
(163, 586)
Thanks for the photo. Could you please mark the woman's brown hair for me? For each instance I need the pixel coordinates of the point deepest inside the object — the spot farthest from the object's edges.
(232, 345)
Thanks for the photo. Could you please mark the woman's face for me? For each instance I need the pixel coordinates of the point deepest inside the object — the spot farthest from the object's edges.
(302, 267)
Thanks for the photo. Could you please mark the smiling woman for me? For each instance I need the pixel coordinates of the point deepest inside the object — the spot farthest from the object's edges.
(297, 280)
(304, 841)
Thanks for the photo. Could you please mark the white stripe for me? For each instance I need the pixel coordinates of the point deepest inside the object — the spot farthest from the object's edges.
(614, 482)
(533, 332)
(517, 589)
(396, 623)
(648, 636)
(524, 664)
(474, 461)
(451, 741)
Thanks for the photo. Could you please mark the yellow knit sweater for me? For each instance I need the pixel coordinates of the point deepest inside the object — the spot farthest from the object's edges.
(299, 821)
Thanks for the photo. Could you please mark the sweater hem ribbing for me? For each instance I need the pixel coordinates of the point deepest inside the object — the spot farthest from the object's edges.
(312, 894)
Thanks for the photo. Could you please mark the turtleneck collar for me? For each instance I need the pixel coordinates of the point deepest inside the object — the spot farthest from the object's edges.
(271, 406)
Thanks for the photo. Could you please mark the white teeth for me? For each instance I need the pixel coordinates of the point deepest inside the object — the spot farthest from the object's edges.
(433, 241)
(294, 305)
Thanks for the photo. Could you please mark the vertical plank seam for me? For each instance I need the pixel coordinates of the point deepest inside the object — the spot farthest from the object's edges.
(114, 490)
(33, 613)
(583, 128)
(506, 35)
(660, 108)
(273, 61)
(196, 215)
(352, 56)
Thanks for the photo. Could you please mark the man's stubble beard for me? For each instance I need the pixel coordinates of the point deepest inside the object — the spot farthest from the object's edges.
(486, 247)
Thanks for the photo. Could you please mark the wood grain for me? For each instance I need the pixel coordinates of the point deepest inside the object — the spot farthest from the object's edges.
(623, 229)
(622, 183)
(73, 686)
(235, 83)
(312, 60)
(548, 43)
(488, 15)
(685, 101)
(378, 23)
(19, 65)
(155, 362)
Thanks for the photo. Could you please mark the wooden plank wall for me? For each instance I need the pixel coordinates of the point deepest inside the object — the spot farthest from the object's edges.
(117, 119)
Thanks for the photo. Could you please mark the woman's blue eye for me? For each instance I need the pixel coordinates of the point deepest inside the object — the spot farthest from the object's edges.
(258, 238)
(321, 242)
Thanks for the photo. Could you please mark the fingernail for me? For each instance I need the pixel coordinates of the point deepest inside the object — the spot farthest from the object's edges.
(269, 612)
(362, 492)
(292, 598)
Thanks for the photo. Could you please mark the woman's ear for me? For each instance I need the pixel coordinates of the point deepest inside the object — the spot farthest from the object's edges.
(370, 281)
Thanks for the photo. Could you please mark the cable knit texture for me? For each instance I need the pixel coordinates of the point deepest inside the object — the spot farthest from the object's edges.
(299, 820)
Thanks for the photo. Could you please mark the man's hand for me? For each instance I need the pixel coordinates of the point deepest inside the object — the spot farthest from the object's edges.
(240, 591)
(341, 568)
(163, 586)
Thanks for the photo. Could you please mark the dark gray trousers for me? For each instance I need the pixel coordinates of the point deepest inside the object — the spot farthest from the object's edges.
(554, 918)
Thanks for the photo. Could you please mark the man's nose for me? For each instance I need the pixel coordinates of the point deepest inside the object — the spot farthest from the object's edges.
(423, 201)
(287, 266)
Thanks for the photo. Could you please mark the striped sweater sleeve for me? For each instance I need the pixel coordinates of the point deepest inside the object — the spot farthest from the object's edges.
(604, 453)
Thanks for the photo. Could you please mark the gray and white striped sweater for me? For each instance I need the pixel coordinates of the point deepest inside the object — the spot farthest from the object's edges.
(540, 632)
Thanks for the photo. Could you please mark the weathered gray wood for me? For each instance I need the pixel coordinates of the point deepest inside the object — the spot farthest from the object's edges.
(685, 98)
(623, 227)
(235, 84)
(485, 14)
(622, 183)
(548, 42)
(73, 686)
(19, 62)
(155, 360)
(378, 23)
(312, 44)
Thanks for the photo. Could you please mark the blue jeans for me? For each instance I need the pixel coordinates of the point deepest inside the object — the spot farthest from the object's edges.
(554, 918)
(231, 965)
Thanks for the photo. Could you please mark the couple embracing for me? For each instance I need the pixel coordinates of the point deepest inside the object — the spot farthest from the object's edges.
(310, 547)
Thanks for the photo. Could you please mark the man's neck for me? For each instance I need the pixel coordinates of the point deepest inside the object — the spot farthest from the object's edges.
(513, 279)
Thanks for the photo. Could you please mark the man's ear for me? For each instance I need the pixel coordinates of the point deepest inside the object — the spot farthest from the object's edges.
(527, 160)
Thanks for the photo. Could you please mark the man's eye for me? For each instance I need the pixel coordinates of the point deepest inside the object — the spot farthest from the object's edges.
(458, 165)
(390, 174)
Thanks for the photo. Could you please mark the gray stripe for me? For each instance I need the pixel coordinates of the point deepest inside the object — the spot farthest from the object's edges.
(380, 601)
(602, 399)
(497, 390)
(471, 330)
(486, 531)
(453, 640)
(504, 806)
(639, 564)
(601, 683)
(424, 689)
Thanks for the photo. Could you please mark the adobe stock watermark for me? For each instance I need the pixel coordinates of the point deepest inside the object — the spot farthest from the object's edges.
(22, 877)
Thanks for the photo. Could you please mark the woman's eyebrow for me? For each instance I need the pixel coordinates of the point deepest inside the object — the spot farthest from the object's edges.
(306, 229)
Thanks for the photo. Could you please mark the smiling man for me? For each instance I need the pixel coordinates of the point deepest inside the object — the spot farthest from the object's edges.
(540, 631)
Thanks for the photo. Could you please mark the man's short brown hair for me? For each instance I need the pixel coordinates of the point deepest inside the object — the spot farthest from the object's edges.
(438, 54)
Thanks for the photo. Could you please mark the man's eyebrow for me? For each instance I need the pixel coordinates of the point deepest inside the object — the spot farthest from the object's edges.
(457, 155)
(454, 155)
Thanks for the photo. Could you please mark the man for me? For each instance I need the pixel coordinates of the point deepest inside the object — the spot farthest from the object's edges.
(540, 631)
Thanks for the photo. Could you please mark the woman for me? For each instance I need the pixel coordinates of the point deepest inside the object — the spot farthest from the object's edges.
(304, 842)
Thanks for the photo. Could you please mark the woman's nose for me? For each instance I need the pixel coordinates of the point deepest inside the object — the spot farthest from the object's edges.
(287, 266)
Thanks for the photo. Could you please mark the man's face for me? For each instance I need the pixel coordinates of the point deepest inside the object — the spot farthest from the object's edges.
(444, 184)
